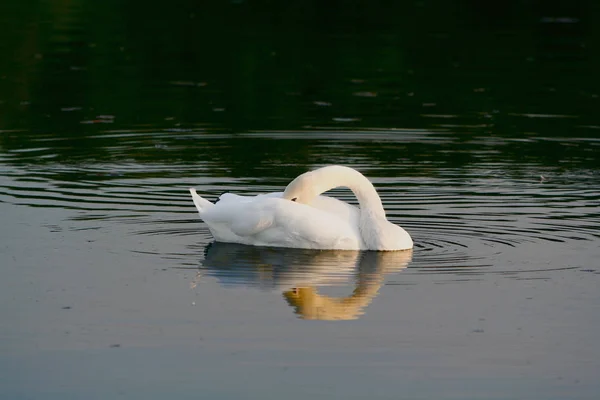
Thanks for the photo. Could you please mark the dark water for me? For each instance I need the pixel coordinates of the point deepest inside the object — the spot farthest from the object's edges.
(478, 124)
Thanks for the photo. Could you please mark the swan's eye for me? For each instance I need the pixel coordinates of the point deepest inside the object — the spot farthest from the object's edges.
(294, 199)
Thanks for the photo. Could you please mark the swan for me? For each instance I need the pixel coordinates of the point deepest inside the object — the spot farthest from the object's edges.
(299, 217)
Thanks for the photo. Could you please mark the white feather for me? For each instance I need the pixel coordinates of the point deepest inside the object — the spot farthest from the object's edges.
(311, 221)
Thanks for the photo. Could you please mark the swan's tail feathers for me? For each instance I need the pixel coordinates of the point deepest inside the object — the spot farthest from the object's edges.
(200, 203)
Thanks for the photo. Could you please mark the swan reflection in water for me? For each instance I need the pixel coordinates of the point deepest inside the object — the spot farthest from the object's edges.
(298, 273)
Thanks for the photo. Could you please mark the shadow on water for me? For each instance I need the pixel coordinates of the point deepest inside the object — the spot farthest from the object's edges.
(299, 274)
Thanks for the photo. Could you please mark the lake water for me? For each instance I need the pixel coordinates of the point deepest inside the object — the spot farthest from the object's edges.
(478, 125)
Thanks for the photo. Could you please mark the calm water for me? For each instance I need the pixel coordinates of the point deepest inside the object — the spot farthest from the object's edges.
(479, 127)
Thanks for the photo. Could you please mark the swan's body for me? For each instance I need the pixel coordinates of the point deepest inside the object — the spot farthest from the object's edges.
(301, 218)
(331, 205)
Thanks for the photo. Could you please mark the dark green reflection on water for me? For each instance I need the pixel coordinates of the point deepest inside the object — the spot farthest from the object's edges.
(73, 70)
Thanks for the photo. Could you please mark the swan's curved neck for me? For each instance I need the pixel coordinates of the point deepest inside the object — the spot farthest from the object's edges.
(363, 189)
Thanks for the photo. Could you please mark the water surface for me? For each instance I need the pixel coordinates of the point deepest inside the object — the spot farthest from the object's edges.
(481, 138)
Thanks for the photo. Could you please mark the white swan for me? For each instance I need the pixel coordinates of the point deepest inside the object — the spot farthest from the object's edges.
(301, 218)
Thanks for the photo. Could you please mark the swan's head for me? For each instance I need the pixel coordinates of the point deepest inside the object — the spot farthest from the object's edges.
(304, 188)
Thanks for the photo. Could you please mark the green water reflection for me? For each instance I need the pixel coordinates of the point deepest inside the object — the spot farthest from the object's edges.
(74, 69)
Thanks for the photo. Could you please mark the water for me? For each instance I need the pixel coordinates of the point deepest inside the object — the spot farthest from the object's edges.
(481, 138)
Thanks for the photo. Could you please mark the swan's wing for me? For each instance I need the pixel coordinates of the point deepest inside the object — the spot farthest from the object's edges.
(315, 228)
(272, 221)
(231, 197)
(331, 205)
(236, 198)
(343, 210)
(243, 218)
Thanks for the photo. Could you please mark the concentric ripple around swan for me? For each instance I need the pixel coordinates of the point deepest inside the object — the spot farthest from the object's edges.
(461, 219)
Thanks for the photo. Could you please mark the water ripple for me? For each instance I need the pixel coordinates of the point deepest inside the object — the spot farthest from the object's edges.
(461, 217)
